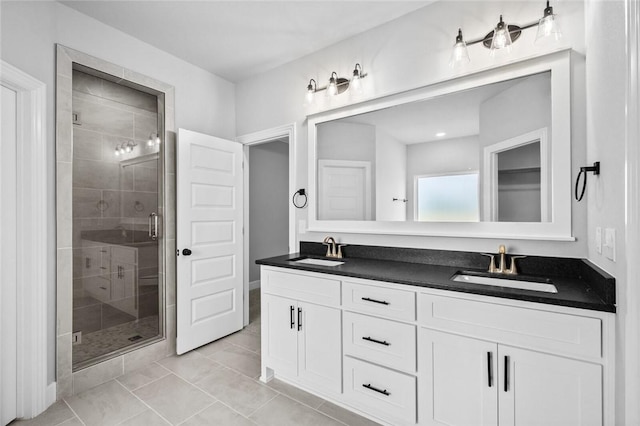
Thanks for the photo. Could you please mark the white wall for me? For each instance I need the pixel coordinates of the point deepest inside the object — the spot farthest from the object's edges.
(439, 157)
(605, 197)
(29, 31)
(391, 170)
(403, 54)
(268, 203)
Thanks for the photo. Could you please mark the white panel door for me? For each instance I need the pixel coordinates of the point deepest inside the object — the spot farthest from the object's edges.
(344, 190)
(8, 248)
(209, 239)
(539, 389)
(461, 380)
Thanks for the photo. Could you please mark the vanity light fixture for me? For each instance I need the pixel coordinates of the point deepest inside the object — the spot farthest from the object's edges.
(125, 147)
(336, 85)
(504, 35)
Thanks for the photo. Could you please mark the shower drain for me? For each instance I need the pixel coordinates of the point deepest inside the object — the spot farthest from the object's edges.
(134, 338)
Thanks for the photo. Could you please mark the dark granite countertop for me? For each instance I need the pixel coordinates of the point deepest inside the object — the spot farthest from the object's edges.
(580, 284)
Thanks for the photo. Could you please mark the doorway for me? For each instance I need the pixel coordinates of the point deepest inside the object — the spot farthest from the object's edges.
(269, 215)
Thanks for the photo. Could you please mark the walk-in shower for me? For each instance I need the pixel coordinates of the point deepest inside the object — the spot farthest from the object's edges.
(116, 205)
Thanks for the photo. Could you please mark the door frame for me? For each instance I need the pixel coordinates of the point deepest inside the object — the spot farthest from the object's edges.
(35, 394)
(257, 138)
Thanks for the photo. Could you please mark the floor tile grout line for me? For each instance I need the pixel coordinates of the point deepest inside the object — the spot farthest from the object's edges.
(146, 405)
(267, 402)
(73, 411)
(198, 412)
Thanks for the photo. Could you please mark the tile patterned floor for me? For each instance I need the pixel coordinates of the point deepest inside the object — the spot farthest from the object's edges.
(212, 385)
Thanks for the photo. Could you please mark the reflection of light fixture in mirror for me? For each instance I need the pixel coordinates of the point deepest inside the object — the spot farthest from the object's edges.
(440, 134)
(125, 147)
(503, 36)
(336, 85)
(154, 139)
(548, 25)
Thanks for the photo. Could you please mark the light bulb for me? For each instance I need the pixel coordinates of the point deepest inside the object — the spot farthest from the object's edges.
(548, 27)
(128, 149)
(122, 151)
(332, 88)
(501, 37)
(157, 139)
(117, 152)
(459, 54)
(150, 141)
(310, 95)
(356, 81)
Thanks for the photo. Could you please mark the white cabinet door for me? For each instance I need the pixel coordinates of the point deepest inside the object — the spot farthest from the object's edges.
(459, 386)
(319, 346)
(280, 334)
(548, 390)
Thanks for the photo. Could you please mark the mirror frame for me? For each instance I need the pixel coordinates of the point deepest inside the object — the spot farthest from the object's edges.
(559, 155)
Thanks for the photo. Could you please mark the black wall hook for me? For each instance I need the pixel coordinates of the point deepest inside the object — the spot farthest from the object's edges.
(584, 170)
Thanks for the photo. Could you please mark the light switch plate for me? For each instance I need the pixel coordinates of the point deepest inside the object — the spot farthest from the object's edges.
(610, 243)
(599, 240)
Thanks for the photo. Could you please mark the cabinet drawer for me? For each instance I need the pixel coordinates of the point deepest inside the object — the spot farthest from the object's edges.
(309, 288)
(382, 341)
(384, 393)
(546, 331)
(388, 302)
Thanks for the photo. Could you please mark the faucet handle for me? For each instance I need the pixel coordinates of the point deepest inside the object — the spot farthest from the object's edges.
(492, 263)
(513, 270)
(339, 254)
(328, 249)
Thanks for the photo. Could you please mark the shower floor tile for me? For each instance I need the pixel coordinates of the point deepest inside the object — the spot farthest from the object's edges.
(111, 339)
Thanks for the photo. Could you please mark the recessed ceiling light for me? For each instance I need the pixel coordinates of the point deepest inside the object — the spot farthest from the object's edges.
(440, 134)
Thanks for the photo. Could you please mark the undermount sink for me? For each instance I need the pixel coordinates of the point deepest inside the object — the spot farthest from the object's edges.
(522, 283)
(314, 261)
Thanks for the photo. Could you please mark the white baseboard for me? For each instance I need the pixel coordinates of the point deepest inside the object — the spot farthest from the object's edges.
(253, 285)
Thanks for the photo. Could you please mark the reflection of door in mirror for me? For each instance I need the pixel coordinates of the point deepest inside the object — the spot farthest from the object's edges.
(516, 179)
(344, 188)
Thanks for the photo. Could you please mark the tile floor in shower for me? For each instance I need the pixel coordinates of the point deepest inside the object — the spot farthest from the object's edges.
(216, 384)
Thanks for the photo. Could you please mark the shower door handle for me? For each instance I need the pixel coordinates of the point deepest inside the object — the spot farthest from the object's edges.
(153, 226)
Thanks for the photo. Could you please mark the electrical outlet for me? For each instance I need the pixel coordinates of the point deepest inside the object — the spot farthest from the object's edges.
(610, 243)
(599, 240)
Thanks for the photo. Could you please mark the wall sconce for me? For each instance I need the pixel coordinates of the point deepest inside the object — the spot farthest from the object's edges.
(125, 147)
(154, 139)
(504, 35)
(336, 85)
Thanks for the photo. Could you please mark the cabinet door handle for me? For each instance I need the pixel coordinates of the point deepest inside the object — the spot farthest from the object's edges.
(382, 302)
(506, 373)
(293, 322)
(384, 392)
(380, 342)
(490, 368)
(299, 319)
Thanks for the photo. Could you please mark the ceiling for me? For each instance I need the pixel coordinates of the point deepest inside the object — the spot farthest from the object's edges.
(238, 39)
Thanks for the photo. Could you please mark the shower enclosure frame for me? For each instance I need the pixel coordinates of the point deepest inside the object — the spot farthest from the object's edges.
(112, 365)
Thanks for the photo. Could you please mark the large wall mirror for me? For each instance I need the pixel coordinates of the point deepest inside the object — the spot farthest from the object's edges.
(483, 155)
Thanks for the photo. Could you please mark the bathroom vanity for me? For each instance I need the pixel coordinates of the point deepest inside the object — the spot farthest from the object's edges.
(388, 334)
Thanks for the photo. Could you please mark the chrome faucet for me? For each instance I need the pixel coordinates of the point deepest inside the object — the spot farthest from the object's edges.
(333, 249)
(502, 269)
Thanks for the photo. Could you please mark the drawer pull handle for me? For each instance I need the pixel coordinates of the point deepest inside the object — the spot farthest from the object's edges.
(380, 342)
(299, 319)
(490, 367)
(382, 302)
(384, 392)
(506, 373)
(293, 321)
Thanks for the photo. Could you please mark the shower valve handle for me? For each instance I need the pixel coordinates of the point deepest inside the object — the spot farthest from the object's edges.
(186, 252)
